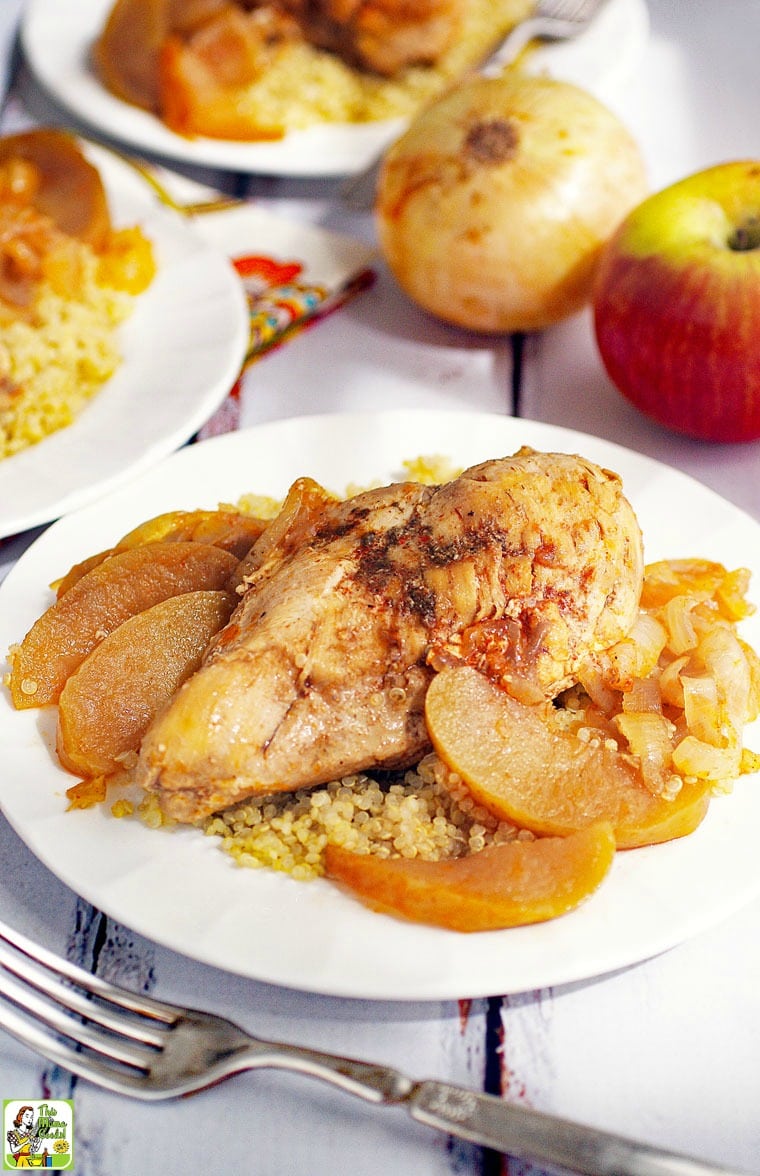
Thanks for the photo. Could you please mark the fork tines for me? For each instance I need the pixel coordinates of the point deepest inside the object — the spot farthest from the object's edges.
(49, 1004)
(580, 10)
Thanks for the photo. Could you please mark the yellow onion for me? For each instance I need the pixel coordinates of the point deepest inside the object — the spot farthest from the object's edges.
(694, 757)
(494, 205)
(636, 655)
(701, 709)
(649, 737)
(682, 636)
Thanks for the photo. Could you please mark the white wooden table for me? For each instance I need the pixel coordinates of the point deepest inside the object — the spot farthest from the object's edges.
(666, 1050)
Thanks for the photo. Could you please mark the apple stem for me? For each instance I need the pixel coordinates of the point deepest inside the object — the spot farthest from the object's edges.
(747, 236)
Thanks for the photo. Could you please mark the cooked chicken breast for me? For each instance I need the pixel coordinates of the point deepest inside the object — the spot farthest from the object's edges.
(380, 35)
(521, 566)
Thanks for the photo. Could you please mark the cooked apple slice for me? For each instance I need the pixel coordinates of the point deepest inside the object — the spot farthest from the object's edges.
(202, 81)
(70, 189)
(231, 529)
(108, 703)
(506, 885)
(518, 764)
(122, 586)
(125, 54)
(234, 531)
(77, 570)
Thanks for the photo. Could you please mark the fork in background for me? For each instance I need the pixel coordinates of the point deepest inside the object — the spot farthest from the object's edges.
(149, 174)
(147, 1049)
(550, 20)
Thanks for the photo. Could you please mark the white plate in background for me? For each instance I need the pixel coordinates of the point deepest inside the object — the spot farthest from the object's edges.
(182, 349)
(57, 40)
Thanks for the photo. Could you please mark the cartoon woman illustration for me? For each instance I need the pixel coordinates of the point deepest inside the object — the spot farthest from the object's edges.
(24, 1143)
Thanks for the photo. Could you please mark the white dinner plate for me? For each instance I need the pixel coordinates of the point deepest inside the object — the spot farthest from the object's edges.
(57, 39)
(182, 349)
(178, 887)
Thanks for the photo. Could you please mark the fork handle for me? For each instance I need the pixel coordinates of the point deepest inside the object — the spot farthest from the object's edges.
(485, 1119)
(543, 1139)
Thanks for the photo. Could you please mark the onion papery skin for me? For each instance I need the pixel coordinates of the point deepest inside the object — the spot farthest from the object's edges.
(494, 206)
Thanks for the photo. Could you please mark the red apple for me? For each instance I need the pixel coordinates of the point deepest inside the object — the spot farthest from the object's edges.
(677, 304)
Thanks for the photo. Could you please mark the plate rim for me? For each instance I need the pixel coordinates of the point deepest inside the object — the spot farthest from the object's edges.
(171, 231)
(414, 988)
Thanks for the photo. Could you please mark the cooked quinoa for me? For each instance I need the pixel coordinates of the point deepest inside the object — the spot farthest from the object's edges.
(54, 363)
(305, 85)
(423, 813)
(61, 303)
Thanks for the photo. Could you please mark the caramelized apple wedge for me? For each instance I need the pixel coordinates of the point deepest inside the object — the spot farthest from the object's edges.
(79, 569)
(69, 189)
(232, 530)
(108, 703)
(521, 766)
(202, 79)
(507, 885)
(125, 55)
(103, 599)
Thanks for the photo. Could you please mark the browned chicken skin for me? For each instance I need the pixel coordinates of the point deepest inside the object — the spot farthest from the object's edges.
(381, 35)
(520, 566)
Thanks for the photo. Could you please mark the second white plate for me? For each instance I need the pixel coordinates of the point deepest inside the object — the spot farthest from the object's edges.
(178, 888)
(57, 39)
(182, 350)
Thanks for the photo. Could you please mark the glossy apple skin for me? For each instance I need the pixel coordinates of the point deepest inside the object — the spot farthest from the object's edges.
(677, 305)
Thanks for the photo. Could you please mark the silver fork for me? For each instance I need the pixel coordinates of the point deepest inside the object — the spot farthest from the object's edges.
(151, 1050)
(550, 20)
